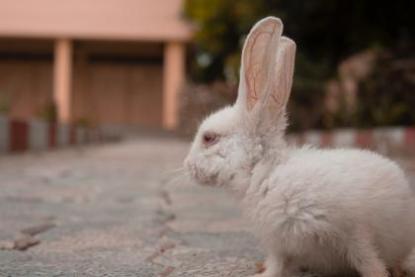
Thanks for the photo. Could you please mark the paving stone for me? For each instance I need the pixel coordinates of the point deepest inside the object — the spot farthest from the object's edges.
(119, 210)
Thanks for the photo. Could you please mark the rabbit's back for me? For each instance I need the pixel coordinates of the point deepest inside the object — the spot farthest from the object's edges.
(319, 198)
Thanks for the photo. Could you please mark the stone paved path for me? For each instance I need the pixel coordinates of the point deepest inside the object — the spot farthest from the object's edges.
(116, 210)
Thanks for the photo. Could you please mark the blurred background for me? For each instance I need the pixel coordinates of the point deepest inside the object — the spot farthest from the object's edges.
(165, 64)
(355, 64)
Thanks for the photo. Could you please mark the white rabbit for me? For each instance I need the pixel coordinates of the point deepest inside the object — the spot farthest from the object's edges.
(328, 211)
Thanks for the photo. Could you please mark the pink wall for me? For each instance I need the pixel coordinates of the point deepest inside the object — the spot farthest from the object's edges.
(151, 20)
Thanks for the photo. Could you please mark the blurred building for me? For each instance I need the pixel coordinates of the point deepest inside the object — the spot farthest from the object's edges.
(103, 62)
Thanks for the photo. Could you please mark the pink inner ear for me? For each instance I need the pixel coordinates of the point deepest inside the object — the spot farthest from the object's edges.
(250, 75)
(278, 94)
(274, 98)
(255, 74)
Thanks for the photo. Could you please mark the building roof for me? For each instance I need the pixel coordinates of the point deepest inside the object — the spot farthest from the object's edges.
(145, 20)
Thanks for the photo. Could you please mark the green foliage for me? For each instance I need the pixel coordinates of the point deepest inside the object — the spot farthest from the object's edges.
(326, 32)
(222, 25)
(387, 97)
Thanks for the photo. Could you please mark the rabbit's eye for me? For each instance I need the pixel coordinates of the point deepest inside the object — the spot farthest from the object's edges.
(210, 138)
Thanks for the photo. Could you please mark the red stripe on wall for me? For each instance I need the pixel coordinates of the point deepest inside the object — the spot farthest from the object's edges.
(410, 138)
(19, 136)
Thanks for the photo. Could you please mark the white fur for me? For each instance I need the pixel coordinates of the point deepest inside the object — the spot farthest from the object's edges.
(328, 211)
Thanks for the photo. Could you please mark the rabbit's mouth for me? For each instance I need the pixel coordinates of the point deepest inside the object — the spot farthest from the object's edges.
(206, 180)
(202, 177)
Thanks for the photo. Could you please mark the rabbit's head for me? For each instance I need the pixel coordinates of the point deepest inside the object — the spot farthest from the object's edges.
(230, 142)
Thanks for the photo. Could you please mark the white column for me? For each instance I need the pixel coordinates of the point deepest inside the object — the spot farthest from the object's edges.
(62, 79)
(173, 79)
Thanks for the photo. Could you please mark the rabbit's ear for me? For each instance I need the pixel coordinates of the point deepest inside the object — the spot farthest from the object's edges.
(267, 70)
(282, 79)
(258, 64)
